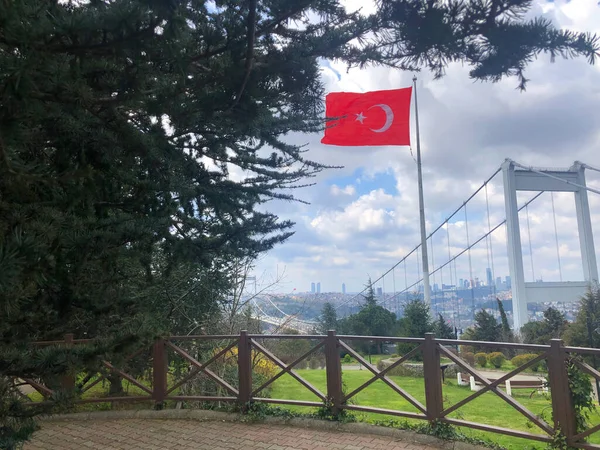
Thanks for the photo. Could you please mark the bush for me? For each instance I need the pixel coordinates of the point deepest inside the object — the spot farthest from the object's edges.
(481, 359)
(519, 360)
(415, 370)
(347, 359)
(496, 359)
(469, 357)
(314, 363)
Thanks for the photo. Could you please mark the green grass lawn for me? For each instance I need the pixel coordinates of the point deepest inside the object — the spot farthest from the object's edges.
(487, 409)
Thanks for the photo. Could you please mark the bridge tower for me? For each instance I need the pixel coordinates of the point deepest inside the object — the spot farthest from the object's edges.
(531, 179)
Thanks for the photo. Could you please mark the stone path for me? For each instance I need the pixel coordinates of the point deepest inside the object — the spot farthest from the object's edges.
(152, 434)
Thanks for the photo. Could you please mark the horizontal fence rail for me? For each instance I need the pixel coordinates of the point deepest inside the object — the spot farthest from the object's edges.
(244, 352)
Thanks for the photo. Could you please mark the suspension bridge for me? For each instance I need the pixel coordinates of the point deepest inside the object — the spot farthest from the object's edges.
(485, 249)
(280, 321)
(486, 228)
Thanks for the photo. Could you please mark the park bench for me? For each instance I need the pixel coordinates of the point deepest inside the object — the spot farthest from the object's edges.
(465, 379)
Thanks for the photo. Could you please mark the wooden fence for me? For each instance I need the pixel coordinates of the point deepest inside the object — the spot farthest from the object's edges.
(432, 350)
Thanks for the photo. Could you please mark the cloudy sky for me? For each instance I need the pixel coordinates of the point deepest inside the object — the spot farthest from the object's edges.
(363, 219)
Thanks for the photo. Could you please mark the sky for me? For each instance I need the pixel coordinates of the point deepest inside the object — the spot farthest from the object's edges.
(363, 219)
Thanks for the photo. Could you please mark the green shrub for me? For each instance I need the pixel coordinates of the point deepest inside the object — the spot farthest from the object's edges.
(313, 363)
(496, 359)
(481, 359)
(519, 360)
(469, 357)
(347, 359)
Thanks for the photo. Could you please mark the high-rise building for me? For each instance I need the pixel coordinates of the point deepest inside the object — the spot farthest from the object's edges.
(490, 280)
(461, 283)
(343, 288)
(508, 283)
(379, 291)
(318, 287)
(436, 287)
(312, 288)
(498, 282)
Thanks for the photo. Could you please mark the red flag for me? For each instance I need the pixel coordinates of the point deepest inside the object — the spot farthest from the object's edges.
(372, 118)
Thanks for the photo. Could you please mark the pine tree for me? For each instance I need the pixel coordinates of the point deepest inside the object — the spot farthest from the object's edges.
(328, 319)
(486, 327)
(442, 329)
(507, 334)
(369, 296)
(371, 320)
(416, 321)
(552, 326)
(584, 331)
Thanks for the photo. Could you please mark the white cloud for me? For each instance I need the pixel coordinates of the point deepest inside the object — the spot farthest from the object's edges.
(348, 190)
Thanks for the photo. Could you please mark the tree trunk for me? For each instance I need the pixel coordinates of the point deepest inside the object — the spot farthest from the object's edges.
(116, 386)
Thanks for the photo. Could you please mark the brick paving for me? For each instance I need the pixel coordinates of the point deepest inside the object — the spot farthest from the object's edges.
(152, 434)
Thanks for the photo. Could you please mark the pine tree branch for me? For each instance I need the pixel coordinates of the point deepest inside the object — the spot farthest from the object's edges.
(250, 37)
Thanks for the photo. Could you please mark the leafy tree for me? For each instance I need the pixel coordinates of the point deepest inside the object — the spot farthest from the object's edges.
(288, 350)
(442, 329)
(552, 326)
(328, 319)
(486, 328)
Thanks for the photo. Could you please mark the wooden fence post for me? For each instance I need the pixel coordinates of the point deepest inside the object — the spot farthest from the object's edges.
(67, 382)
(244, 370)
(558, 378)
(333, 369)
(433, 378)
(159, 373)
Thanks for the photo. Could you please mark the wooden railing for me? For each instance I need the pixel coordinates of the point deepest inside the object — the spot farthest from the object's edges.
(162, 389)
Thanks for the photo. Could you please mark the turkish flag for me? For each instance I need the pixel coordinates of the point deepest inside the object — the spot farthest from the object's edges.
(372, 118)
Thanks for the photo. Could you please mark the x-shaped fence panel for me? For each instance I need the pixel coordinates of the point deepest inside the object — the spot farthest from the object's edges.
(201, 368)
(381, 375)
(493, 386)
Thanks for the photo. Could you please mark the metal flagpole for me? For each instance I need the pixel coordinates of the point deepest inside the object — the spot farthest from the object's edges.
(426, 287)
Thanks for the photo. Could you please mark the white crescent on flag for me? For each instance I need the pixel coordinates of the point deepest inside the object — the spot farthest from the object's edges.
(389, 118)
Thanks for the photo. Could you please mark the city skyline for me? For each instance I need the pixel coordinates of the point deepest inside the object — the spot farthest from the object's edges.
(463, 283)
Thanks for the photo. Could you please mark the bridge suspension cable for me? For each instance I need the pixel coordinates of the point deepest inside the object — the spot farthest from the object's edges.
(462, 252)
(415, 249)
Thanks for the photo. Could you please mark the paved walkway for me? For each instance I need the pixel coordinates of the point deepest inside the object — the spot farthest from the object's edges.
(151, 434)
(494, 375)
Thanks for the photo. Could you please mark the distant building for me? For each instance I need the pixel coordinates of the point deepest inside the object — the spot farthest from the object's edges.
(436, 287)
(488, 273)
(498, 282)
(508, 283)
(318, 287)
(379, 291)
(461, 283)
(312, 288)
(343, 288)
